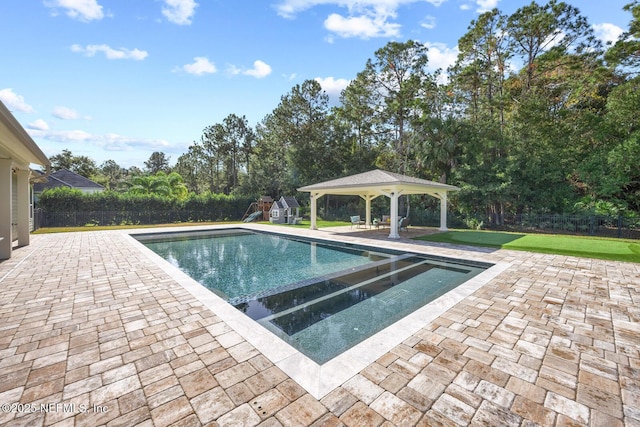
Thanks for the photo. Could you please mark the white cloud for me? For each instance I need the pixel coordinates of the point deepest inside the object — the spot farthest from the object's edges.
(109, 141)
(109, 52)
(361, 26)
(259, 70)
(428, 22)
(65, 113)
(115, 142)
(38, 125)
(441, 56)
(607, 32)
(82, 10)
(289, 8)
(365, 18)
(14, 102)
(486, 5)
(179, 11)
(200, 66)
(332, 86)
(233, 70)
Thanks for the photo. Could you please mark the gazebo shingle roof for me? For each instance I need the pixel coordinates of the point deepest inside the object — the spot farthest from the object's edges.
(376, 177)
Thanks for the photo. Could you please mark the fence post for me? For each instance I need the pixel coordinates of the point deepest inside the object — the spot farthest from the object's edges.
(591, 225)
(619, 225)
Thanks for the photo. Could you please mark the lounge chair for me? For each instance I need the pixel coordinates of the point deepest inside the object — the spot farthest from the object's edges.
(403, 223)
(355, 220)
(386, 221)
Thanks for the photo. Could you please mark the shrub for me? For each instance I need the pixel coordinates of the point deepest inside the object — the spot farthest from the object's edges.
(195, 207)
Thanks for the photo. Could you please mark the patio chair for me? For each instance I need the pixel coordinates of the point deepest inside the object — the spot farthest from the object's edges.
(355, 220)
(403, 224)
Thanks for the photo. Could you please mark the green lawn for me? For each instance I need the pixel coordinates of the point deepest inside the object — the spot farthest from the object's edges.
(592, 247)
(46, 230)
(305, 224)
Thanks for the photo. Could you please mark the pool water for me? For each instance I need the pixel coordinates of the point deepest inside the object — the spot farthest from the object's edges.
(320, 298)
(241, 265)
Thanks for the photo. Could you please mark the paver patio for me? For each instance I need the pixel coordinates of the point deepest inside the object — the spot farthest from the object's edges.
(92, 332)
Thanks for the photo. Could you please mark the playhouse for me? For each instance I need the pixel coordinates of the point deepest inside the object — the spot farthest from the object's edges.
(285, 211)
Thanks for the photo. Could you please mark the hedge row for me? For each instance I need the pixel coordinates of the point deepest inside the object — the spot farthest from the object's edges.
(66, 200)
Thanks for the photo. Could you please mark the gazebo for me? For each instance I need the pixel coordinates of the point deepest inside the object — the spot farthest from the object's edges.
(372, 184)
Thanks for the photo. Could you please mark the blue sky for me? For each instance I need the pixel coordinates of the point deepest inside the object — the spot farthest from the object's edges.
(120, 79)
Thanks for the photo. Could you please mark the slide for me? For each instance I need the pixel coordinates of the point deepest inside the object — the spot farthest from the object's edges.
(253, 216)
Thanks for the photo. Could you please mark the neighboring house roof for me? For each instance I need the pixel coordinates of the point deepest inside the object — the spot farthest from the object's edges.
(67, 178)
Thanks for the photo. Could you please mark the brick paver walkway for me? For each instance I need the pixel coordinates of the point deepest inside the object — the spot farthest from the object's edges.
(93, 333)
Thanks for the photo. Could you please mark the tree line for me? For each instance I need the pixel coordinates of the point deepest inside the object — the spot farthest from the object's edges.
(535, 116)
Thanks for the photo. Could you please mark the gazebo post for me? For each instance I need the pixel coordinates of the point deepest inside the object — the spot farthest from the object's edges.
(443, 211)
(368, 198)
(393, 226)
(314, 209)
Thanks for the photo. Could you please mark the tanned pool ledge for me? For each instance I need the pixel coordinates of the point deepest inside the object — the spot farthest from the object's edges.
(98, 332)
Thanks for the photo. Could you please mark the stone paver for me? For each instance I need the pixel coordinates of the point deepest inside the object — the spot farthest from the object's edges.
(93, 332)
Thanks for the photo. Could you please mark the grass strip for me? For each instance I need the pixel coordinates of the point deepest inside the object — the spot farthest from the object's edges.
(48, 230)
(581, 246)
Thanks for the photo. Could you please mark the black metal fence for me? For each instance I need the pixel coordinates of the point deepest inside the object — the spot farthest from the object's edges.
(592, 225)
(588, 225)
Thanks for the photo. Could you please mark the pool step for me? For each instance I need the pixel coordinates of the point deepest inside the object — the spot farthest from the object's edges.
(301, 316)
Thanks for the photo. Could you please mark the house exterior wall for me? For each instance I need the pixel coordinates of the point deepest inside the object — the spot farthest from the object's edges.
(90, 190)
(17, 152)
(6, 209)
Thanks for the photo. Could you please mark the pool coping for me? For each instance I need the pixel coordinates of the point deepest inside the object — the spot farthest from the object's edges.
(319, 380)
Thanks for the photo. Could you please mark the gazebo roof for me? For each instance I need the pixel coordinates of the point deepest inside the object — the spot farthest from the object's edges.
(378, 182)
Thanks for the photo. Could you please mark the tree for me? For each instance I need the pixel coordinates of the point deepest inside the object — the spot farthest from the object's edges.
(191, 167)
(357, 115)
(269, 167)
(625, 52)
(171, 185)
(553, 29)
(482, 68)
(64, 160)
(302, 115)
(234, 140)
(157, 162)
(611, 172)
(398, 75)
(113, 173)
(82, 165)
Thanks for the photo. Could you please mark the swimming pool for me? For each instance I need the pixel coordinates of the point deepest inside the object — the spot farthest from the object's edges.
(321, 298)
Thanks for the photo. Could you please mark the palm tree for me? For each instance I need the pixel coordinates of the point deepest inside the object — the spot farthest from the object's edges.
(171, 185)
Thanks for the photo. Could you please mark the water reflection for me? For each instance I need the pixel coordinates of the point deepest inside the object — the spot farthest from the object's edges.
(246, 264)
